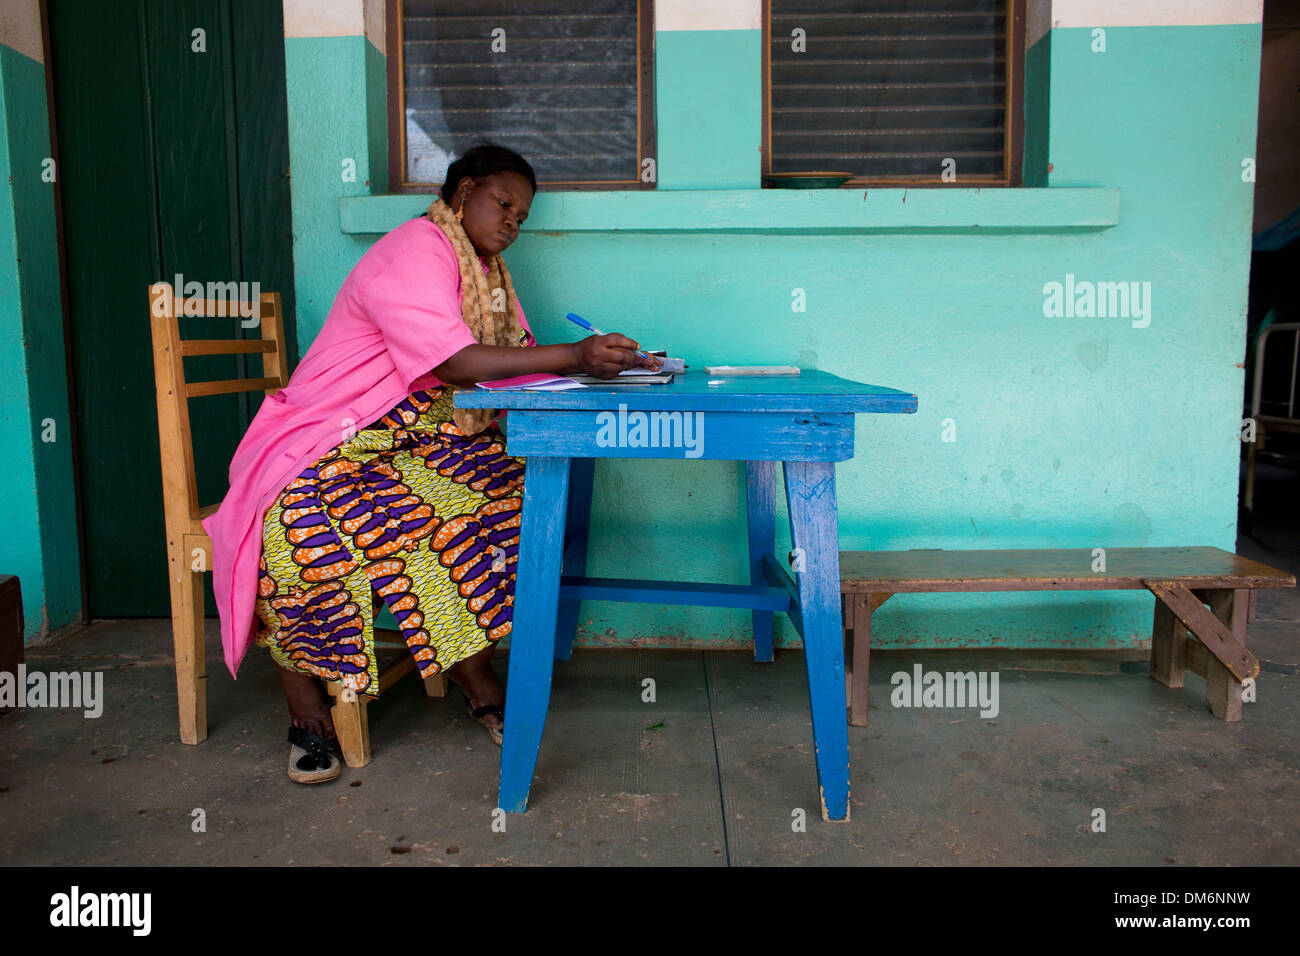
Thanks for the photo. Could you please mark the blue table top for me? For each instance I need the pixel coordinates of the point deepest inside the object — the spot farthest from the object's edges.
(810, 391)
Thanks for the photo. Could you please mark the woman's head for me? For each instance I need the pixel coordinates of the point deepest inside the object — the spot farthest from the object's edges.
(494, 186)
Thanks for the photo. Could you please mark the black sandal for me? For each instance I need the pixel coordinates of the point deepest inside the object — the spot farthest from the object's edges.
(478, 713)
(312, 758)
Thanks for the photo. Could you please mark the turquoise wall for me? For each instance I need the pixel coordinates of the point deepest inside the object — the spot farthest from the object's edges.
(1068, 432)
(40, 540)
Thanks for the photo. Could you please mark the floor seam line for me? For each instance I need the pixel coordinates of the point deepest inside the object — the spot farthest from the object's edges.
(717, 759)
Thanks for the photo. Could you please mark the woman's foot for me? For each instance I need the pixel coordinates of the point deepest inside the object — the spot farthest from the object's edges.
(474, 676)
(309, 704)
(312, 758)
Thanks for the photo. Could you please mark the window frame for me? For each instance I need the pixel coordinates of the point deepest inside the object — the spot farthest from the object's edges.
(1013, 148)
(646, 139)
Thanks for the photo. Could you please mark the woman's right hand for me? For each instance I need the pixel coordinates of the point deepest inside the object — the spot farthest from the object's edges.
(604, 356)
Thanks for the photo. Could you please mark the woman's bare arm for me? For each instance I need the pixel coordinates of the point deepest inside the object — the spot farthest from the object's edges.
(601, 355)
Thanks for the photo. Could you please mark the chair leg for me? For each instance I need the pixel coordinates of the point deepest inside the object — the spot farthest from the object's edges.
(1248, 497)
(187, 636)
(436, 685)
(351, 725)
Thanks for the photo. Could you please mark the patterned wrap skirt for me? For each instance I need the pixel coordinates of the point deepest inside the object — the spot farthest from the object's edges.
(409, 512)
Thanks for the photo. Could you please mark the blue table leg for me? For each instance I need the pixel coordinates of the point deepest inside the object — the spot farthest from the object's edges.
(581, 479)
(760, 495)
(810, 494)
(532, 635)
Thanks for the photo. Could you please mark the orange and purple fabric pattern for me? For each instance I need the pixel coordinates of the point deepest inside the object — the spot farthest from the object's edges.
(409, 512)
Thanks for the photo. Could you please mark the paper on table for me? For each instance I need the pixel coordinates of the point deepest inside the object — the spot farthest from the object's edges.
(539, 382)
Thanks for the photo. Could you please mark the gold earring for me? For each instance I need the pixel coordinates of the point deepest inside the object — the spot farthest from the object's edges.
(460, 213)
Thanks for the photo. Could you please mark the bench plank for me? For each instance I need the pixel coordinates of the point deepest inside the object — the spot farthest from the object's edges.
(1065, 569)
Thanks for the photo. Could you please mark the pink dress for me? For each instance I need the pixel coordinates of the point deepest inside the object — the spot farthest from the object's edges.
(396, 317)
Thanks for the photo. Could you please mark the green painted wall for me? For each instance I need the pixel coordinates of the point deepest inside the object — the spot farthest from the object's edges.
(1069, 432)
(40, 540)
(706, 125)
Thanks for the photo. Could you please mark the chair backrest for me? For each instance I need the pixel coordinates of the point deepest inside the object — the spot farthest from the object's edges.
(176, 446)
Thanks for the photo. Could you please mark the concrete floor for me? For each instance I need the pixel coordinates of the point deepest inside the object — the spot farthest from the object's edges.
(717, 784)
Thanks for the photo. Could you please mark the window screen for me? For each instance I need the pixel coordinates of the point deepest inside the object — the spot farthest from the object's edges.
(890, 89)
(562, 84)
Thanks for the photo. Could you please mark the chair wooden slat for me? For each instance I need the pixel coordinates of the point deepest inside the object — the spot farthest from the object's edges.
(213, 309)
(227, 346)
(230, 386)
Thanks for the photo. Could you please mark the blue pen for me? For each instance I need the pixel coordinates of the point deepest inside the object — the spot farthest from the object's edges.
(579, 320)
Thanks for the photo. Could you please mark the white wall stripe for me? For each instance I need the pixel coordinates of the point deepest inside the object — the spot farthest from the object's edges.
(708, 15)
(1038, 20)
(20, 27)
(324, 18)
(1052, 14)
(375, 17)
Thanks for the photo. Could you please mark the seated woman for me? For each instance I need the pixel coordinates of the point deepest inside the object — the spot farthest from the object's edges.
(360, 483)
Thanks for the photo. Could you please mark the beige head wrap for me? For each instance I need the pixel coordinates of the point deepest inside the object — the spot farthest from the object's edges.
(478, 292)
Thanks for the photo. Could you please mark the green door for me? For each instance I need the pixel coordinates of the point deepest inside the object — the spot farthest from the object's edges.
(173, 159)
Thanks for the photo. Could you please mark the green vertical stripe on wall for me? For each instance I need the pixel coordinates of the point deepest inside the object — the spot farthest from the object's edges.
(40, 540)
(377, 118)
(708, 107)
(327, 81)
(1036, 104)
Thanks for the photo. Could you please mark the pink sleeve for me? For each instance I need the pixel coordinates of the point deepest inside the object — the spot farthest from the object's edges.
(414, 301)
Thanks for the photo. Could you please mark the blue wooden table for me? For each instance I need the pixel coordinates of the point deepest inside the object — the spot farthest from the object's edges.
(804, 422)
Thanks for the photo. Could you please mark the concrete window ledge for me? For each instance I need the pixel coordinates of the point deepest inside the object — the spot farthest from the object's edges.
(784, 212)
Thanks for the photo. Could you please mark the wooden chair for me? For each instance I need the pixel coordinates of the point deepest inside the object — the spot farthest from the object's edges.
(189, 549)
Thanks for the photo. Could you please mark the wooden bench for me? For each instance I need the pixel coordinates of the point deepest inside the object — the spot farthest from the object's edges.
(1183, 580)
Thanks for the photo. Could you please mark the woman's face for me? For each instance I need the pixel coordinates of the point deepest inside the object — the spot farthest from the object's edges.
(495, 207)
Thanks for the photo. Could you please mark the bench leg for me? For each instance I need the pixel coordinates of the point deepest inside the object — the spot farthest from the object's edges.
(858, 667)
(863, 607)
(351, 726)
(760, 492)
(1222, 689)
(1168, 647)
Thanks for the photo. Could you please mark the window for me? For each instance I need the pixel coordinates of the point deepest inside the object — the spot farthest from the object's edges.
(894, 91)
(569, 91)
